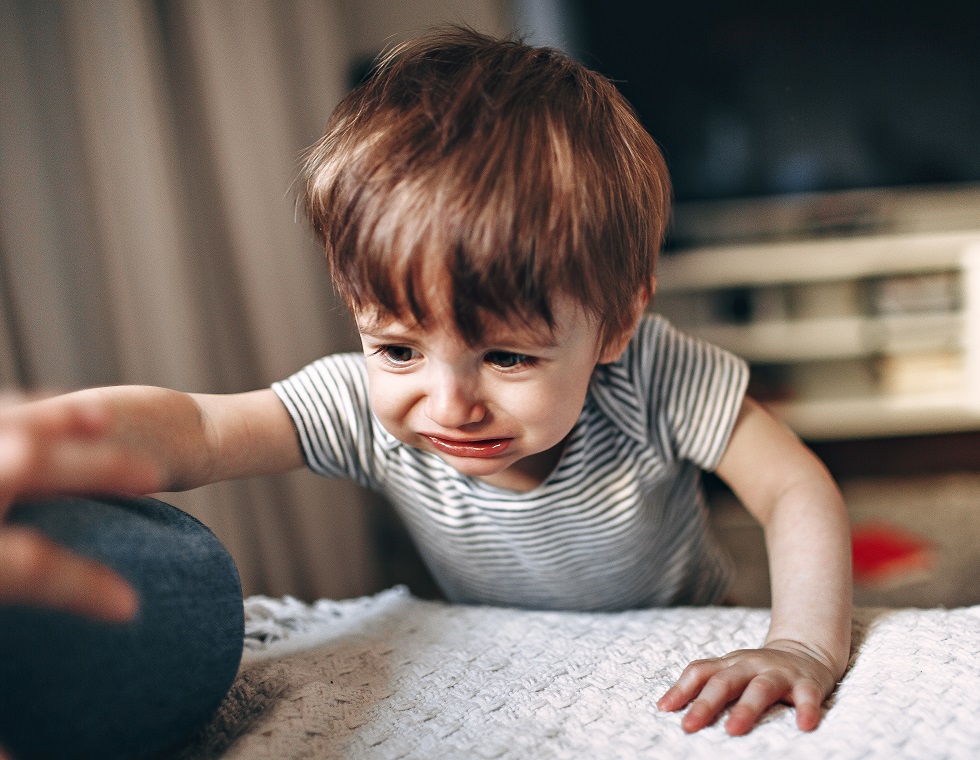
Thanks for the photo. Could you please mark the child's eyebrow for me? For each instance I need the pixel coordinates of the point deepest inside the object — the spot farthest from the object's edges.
(523, 336)
(374, 325)
(382, 331)
(514, 339)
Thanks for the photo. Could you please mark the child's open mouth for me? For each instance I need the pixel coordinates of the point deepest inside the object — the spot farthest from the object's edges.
(485, 448)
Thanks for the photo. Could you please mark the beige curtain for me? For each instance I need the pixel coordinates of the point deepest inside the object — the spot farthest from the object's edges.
(148, 231)
(148, 234)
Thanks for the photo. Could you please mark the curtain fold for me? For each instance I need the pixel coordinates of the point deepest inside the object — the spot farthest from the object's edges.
(148, 235)
(55, 331)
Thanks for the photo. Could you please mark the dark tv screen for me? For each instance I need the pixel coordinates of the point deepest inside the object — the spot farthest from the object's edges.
(752, 99)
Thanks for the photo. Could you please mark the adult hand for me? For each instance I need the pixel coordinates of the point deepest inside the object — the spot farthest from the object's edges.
(56, 446)
(754, 679)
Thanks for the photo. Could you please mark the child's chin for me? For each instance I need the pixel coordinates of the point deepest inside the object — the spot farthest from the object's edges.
(475, 467)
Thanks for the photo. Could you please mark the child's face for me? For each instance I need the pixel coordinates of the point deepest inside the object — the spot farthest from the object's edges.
(499, 411)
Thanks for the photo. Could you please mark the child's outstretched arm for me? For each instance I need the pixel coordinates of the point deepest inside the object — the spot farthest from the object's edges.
(808, 540)
(122, 440)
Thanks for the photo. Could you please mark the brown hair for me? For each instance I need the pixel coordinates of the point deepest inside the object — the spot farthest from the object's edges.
(513, 170)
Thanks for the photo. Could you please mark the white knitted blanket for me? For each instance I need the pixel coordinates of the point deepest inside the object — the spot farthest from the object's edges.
(391, 676)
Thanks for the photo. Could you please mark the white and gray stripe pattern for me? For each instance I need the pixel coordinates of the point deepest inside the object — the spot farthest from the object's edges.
(620, 523)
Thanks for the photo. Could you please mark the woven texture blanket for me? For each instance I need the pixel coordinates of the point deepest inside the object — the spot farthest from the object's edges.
(391, 676)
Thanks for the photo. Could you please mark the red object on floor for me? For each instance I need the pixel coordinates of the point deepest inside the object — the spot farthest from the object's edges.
(884, 553)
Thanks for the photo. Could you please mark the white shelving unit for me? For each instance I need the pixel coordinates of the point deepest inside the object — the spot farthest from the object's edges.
(859, 337)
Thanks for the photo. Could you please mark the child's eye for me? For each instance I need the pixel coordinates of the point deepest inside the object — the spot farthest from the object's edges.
(397, 355)
(508, 359)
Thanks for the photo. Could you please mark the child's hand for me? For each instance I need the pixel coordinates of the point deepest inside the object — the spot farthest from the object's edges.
(49, 447)
(782, 671)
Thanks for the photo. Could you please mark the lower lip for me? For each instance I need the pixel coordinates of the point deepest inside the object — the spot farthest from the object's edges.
(477, 449)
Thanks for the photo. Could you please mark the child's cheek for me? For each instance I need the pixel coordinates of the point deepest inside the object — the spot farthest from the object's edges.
(392, 398)
(382, 399)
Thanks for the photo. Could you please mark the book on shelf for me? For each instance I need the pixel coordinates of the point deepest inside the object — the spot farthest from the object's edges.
(910, 374)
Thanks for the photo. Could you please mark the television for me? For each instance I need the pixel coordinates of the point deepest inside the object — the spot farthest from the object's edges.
(782, 119)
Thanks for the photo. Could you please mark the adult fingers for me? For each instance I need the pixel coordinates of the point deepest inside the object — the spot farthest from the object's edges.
(36, 571)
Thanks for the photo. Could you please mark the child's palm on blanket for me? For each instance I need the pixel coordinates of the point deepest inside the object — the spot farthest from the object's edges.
(782, 671)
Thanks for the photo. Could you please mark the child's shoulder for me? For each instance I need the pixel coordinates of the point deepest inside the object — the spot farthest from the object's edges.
(661, 354)
(658, 332)
(348, 360)
(652, 323)
(652, 332)
(337, 375)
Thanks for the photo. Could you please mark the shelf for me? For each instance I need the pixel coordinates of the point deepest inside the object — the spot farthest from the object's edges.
(882, 416)
(867, 337)
(836, 337)
(814, 261)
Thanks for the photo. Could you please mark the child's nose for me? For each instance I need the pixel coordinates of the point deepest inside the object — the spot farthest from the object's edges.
(453, 402)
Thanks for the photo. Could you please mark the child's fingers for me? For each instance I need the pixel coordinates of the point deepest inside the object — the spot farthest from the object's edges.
(14, 466)
(702, 713)
(758, 694)
(709, 686)
(762, 692)
(40, 415)
(36, 571)
(78, 467)
(766, 690)
(31, 431)
(754, 682)
(689, 684)
(673, 699)
(31, 466)
(808, 698)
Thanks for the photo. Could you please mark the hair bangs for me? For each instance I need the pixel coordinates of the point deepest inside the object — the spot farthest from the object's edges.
(421, 258)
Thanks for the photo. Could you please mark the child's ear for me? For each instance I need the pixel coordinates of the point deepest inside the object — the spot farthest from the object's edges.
(617, 344)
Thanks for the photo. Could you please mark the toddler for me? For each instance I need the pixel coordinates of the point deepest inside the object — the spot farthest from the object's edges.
(492, 214)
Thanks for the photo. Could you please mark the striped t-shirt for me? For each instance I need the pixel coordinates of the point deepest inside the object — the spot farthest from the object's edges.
(620, 523)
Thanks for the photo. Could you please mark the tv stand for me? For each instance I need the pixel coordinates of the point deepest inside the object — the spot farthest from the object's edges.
(856, 337)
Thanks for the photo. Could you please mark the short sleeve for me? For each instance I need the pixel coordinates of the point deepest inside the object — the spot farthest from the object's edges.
(328, 403)
(694, 391)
